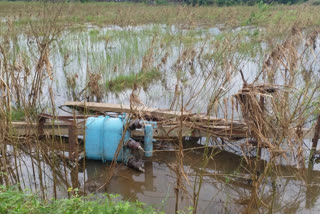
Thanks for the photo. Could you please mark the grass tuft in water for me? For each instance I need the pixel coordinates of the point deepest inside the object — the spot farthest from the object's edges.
(141, 79)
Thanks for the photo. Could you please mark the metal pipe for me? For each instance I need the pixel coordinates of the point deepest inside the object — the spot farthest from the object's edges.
(132, 144)
(148, 144)
(136, 124)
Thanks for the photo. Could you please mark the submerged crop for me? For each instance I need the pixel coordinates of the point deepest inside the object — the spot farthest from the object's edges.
(142, 79)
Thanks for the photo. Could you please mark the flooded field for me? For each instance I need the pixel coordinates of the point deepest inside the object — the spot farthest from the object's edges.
(240, 74)
(105, 63)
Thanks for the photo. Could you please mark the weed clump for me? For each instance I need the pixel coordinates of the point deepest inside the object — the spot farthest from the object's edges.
(17, 114)
(142, 79)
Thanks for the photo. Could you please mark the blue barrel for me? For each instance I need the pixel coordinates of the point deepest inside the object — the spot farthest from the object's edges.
(103, 135)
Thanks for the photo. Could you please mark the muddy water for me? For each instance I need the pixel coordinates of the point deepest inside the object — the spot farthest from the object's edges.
(226, 185)
(158, 184)
(226, 182)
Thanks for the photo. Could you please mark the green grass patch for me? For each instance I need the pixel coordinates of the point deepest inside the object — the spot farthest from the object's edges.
(17, 114)
(141, 79)
(124, 14)
(15, 201)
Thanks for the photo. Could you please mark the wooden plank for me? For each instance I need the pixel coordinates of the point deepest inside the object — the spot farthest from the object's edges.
(25, 128)
(162, 131)
(173, 132)
(151, 112)
(109, 107)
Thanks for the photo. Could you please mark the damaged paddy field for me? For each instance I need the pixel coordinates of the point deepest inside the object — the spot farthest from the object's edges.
(143, 108)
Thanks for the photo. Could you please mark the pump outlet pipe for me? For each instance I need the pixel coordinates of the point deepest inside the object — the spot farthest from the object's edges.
(148, 136)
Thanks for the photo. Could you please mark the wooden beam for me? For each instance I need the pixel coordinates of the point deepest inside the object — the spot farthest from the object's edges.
(151, 112)
(109, 107)
(25, 128)
(173, 132)
(162, 131)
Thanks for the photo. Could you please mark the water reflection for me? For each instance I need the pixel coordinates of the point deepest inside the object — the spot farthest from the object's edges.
(228, 181)
(227, 185)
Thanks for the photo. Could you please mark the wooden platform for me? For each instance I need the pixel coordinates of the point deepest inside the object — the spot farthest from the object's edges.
(58, 128)
(162, 131)
(153, 113)
(168, 123)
